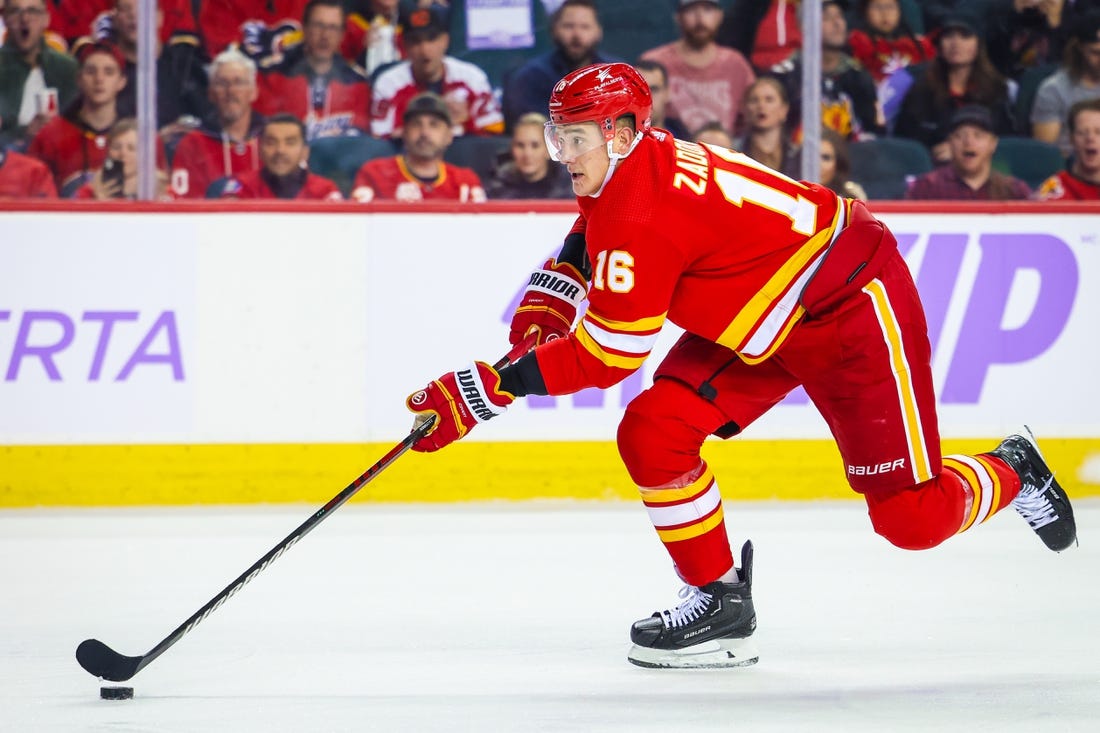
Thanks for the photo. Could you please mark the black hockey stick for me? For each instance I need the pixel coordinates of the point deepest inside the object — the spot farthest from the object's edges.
(103, 661)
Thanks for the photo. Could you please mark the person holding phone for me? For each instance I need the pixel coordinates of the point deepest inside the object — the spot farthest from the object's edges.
(117, 179)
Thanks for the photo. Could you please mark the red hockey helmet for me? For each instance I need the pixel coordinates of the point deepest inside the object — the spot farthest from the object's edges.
(601, 93)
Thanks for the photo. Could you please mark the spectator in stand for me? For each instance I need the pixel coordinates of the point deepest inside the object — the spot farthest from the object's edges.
(766, 32)
(314, 82)
(283, 173)
(849, 102)
(118, 178)
(24, 177)
(884, 43)
(28, 70)
(706, 81)
(181, 73)
(420, 173)
(227, 142)
(1081, 179)
(972, 140)
(836, 166)
(373, 34)
(656, 76)
(1025, 33)
(74, 19)
(959, 76)
(1078, 79)
(576, 32)
(274, 21)
(713, 133)
(463, 86)
(767, 141)
(74, 144)
(529, 174)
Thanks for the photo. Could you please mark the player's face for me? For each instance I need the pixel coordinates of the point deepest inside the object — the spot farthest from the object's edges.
(883, 15)
(658, 88)
(529, 152)
(834, 27)
(426, 137)
(699, 24)
(282, 148)
(577, 33)
(324, 33)
(828, 163)
(1086, 142)
(972, 149)
(958, 47)
(765, 108)
(581, 147)
(426, 56)
(124, 147)
(26, 21)
(100, 79)
(232, 90)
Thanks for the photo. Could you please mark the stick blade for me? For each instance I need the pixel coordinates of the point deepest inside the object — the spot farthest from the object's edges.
(102, 661)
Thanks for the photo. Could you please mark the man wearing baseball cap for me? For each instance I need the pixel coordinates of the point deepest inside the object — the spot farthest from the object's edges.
(420, 173)
(707, 81)
(972, 139)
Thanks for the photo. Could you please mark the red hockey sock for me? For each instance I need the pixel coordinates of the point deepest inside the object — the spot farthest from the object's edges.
(990, 482)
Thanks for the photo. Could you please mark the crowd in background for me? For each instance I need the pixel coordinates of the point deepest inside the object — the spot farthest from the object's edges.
(384, 99)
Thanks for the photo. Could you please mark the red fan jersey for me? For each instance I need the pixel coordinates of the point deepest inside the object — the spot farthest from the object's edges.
(331, 105)
(390, 178)
(221, 20)
(464, 85)
(702, 236)
(24, 177)
(252, 185)
(70, 149)
(1064, 186)
(882, 56)
(207, 155)
(72, 19)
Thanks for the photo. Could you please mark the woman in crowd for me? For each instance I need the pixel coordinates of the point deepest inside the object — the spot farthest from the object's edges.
(117, 179)
(767, 141)
(961, 75)
(836, 165)
(528, 174)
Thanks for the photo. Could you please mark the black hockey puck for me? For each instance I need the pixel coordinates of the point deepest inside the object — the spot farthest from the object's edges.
(116, 693)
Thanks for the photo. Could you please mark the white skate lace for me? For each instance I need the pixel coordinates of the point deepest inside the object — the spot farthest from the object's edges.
(1034, 506)
(695, 602)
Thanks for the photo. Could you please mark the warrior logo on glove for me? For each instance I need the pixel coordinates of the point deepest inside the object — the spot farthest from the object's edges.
(459, 400)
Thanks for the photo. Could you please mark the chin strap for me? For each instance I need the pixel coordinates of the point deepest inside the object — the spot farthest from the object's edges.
(615, 158)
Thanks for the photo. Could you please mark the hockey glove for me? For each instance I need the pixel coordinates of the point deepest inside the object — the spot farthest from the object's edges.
(459, 400)
(549, 304)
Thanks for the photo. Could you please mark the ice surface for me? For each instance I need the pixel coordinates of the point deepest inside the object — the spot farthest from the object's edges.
(515, 618)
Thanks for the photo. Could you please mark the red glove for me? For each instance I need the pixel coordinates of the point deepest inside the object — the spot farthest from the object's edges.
(459, 400)
(549, 304)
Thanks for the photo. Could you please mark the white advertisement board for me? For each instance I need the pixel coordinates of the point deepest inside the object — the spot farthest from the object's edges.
(269, 328)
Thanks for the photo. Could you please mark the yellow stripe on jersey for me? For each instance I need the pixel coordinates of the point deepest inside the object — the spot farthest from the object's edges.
(970, 478)
(652, 323)
(903, 380)
(774, 310)
(612, 360)
(671, 495)
(995, 499)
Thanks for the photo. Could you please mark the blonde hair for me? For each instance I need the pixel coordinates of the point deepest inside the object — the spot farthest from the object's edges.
(534, 119)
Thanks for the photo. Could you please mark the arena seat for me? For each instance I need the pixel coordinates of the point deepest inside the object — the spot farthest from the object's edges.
(885, 166)
(1030, 160)
(339, 158)
(480, 152)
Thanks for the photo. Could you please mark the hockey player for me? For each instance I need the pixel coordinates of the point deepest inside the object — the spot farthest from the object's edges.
(777, 284)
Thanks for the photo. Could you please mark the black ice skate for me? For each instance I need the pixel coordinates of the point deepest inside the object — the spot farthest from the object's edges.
(1041, 501)
(711, 628)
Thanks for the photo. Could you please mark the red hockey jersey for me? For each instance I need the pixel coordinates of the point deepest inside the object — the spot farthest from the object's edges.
(221, 20)
(390, 178)
(463, 85)
(1064, 186)
(206, 155)
(24, 177)
(70, 149)
(330, 106)
(251, 185)
(702, 236)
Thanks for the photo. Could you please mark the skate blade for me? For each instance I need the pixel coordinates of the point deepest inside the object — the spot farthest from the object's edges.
(715, 654)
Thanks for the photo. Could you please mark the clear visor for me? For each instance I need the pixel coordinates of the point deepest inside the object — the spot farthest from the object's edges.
(569, 141)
